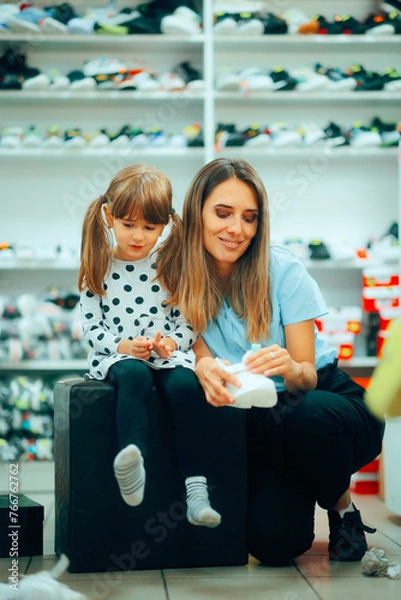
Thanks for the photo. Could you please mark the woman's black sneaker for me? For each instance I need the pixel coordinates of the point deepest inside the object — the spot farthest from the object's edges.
(347, 541)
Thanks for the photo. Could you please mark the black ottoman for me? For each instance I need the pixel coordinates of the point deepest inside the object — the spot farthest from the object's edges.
(98, 531)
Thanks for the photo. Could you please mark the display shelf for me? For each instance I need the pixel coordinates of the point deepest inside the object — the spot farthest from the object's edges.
(64, 42)
(79, 153)
(310, 151)
(310, 97)
(14, 264)
(97, 96)
(300, 42)
(44, 366)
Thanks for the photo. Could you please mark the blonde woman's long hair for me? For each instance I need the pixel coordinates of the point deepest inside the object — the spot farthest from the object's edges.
(198, 291)
(136, 190)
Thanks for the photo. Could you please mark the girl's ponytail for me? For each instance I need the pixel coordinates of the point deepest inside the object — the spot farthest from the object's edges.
(168, 261)
(95, 249)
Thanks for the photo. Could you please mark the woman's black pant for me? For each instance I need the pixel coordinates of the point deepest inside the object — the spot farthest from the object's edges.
(180, 388)
(302, 451)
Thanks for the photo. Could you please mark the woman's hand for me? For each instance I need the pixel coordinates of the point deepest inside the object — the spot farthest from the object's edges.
(140, 347)
(273, 360)
(213, 379)
(295, 363)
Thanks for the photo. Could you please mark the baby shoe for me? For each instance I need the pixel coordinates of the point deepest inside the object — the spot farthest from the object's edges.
(256, 389)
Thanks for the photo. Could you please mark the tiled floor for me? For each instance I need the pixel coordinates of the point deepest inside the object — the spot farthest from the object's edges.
(312, 577)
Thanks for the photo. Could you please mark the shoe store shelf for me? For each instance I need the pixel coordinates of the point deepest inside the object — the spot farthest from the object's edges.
(310, 97)
(289, 153)
(66, 42)
(45, 366)
(39, 265)
(119, 96)
(311, 42)
(60, 153)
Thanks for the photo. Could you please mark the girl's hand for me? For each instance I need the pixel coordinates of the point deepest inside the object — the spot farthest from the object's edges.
(213, 379)
(140, 347)
(164, 347)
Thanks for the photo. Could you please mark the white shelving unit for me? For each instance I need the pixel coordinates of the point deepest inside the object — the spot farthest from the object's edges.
(346, 193)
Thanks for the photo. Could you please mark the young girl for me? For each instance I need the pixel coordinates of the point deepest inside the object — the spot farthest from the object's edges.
(135, 340)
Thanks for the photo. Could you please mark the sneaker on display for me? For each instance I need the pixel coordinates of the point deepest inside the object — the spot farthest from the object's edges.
(309, 80)
(294, 18)
(273, 24)
(249, 25)
(254, 79)
(282, 80)
(362, 137)
(378, 25)
(335, 136)
(351, 26)
(182, 21)
(227, 81)
(338, 81)
(225, 23)
(281, 136)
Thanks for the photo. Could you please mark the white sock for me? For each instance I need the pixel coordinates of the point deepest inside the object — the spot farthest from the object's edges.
(350, 508)
(199, 511)
(130, 474)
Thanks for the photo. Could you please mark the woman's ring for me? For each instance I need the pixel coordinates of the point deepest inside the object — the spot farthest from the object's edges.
(272, 355)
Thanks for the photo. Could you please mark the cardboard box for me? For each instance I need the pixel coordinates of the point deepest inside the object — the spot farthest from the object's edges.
(21, 524)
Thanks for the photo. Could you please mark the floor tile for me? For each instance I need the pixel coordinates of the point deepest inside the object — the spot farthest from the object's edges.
(252, 570)
(368, 588)
(126, 589)
(269, 587)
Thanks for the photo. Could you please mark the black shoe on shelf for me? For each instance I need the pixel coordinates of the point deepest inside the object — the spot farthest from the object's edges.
(351, 26)
(347, 541)
(273, 25)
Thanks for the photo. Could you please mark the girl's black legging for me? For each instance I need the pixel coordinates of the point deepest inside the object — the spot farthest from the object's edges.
(181, 390)
(301, 452)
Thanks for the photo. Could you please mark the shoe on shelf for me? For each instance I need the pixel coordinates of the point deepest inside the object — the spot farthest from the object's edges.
(254, 79)
(225, 23)
(327, 27)
(227, 80)
(335, 136)
(273, 24)
(351, 26)
(183, 21)
(367, 81)
(378, 25)
(248, 24)
(347, 541)
(309, 80)
(282, 80)
(294, 19)
(388, 131)
(338, 81)
(190, 75)
(362, 137)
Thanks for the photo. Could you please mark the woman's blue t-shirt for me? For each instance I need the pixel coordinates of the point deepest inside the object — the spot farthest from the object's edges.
(295, 297)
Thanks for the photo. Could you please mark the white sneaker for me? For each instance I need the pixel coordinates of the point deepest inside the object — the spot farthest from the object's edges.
(253, 79)
(182, 21)
(256, 390)
(227, 81)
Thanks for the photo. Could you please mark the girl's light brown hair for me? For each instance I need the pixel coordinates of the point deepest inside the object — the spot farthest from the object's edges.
(197, 290)
(136, 190)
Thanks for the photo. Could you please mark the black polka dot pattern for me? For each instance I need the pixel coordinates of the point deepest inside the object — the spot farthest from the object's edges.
(134, 305)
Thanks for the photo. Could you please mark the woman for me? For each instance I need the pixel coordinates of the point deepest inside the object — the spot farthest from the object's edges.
(237, 290)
